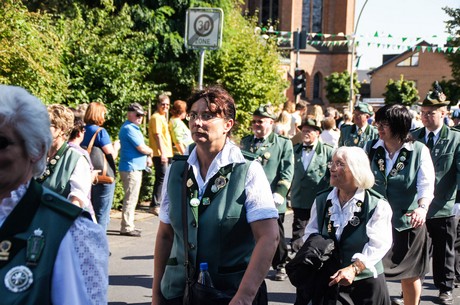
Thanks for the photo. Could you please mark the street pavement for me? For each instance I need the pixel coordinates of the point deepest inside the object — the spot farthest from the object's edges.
(131, 267)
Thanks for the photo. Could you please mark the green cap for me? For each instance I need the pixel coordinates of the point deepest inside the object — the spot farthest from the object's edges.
(364, 108)
(266, 111)
(310, 123)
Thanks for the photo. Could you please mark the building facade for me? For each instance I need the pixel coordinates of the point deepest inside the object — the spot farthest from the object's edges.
(326, 17)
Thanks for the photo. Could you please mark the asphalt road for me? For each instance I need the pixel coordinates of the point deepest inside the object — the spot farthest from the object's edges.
(131, 267)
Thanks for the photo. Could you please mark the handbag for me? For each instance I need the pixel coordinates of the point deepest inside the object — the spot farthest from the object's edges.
(106, 166)
(196, 293)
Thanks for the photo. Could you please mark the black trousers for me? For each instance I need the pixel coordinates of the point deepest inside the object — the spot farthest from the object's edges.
(260, 299)
(299, 222)
(457, 251)
(442, 232)
(368, 291)
(160, 171)
(281, 253)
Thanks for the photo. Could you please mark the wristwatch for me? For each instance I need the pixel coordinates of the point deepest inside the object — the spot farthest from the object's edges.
(423, 206)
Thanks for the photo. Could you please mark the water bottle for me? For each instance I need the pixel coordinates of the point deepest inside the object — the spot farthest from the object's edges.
(204, 278)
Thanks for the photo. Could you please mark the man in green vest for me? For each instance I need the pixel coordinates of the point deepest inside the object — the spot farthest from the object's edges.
(444, 145)
(360, 132)
(310, 168)
(276, 155)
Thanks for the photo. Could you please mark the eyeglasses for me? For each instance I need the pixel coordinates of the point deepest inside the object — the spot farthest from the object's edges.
(257, 122)
(204, 117)
(4, 143)
(139, 115)
(381, 125)
(337, 164)
(428, 113)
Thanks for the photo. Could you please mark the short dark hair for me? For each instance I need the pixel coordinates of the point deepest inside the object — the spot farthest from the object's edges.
(78, 126)
(219, 101)
(398, 118)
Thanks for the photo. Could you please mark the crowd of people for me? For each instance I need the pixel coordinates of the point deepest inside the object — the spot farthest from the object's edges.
(382, 186)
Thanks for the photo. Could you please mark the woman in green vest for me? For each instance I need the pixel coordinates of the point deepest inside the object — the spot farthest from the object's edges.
(404, 174)
(359, 221)
(228, 208)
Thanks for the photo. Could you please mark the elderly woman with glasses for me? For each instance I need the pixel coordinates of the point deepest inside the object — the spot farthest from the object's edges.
(359, 221)
(51, 253)
(404, 174)
(217, 208)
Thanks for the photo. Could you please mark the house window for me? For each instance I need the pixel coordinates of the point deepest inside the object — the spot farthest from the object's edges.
(312, 16)
(317, 79)
(411, 61)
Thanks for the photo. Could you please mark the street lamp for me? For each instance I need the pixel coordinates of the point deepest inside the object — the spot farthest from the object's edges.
(353, 37)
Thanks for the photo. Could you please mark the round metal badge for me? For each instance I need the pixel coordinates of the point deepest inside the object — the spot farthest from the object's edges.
(19, 279)
(354, 221)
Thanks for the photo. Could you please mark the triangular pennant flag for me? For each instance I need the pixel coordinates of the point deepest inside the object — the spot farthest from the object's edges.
(423, 49)
(390, 36)
(376, 34)
(327, 35)
(404, 39)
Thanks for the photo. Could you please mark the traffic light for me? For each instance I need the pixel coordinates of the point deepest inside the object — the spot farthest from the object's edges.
(299, 81)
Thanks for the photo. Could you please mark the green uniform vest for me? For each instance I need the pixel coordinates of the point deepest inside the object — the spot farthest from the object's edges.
(277, 158)
(353, 238)
(221, 237)
(307, 183)
(400, 186)
(53, 215)
(349, 135)
(59, 180)
(445, 155)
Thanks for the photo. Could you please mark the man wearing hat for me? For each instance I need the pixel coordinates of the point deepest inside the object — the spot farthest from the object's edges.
(444, 144)
(134, 157)
(456, 119)
(276, 156)
(360, 132)
(310, 168)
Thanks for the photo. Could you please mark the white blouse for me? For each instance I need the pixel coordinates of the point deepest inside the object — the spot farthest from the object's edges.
(378, 229)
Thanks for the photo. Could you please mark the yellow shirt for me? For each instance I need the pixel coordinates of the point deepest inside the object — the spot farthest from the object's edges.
(159, 125)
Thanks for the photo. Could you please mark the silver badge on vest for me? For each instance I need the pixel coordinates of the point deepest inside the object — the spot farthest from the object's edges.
(18, 279)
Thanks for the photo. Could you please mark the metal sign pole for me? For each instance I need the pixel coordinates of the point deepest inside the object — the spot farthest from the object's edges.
(200, 76)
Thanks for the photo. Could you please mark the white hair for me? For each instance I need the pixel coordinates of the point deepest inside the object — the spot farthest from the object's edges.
(359, 165)
(28, 117)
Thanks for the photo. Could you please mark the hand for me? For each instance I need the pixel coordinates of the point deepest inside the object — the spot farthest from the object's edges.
(456, 210)
(164, 159)
(343, 277)
(149, 162)
(418, 217)
(278, 199)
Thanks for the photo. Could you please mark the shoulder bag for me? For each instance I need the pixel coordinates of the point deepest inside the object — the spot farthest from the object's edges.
(106, 168)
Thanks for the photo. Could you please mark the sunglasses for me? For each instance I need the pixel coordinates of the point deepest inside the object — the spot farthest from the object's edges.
(139, 115)
(4, 143)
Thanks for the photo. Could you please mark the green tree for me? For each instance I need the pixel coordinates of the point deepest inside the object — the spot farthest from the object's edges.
(401, 92)
(453, 28)
(30, 52)
(338, 87)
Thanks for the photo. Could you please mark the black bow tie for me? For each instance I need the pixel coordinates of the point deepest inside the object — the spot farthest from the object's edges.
(307, 147)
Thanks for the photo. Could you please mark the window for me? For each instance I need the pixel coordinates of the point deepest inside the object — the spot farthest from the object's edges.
(411, 61)
(317, 79)
(312, 16)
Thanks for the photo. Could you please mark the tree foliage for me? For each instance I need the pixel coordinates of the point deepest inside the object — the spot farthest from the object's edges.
(30, 52)
(401, 92)
(453, 28)
(338, 87)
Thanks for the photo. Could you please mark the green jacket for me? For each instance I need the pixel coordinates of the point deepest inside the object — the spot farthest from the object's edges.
(399, 187)
(306, 183)
(59, 180)
(349, 135)
(277, 158)
(218, 233)
(446, 160)
(353, 238)
(52, 215)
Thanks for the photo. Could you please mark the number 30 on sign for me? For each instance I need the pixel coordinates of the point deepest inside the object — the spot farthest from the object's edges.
(204, 28)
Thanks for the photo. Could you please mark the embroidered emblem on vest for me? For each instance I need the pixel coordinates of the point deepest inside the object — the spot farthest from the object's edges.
(18, 279)
(35, 245)
(5, 246)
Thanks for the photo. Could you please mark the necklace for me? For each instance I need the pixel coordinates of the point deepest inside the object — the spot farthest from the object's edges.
(52, 163)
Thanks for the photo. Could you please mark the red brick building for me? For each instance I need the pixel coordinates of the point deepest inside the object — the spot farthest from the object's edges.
(312, 16)
(420, 65)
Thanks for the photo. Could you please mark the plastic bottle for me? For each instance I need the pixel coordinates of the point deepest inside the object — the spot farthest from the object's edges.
(204, 278)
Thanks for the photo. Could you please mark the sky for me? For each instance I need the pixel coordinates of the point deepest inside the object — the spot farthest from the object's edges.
(404, 20)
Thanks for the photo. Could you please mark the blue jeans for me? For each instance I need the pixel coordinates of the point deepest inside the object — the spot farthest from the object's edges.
(102, 199)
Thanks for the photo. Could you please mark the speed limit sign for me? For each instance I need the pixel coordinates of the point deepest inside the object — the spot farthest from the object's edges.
(203, 28)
